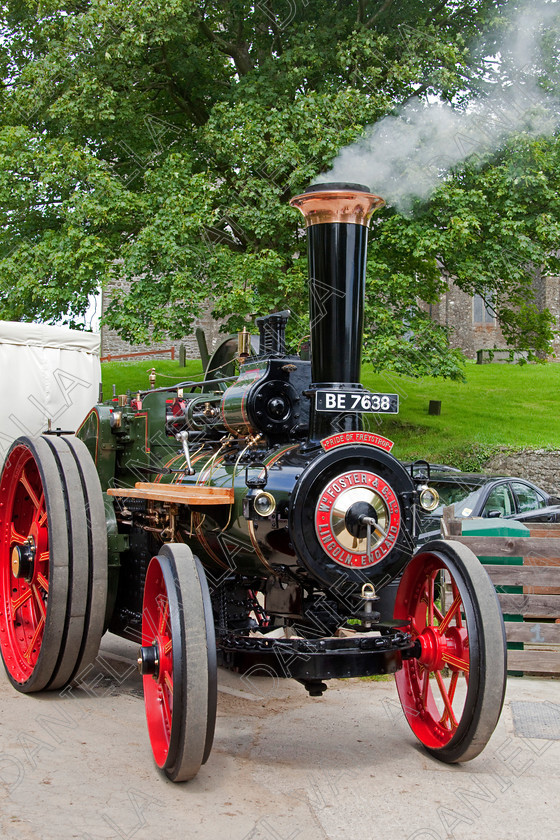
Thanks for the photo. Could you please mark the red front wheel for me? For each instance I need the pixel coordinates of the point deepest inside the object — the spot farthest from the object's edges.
(452, 693)
(178, 662)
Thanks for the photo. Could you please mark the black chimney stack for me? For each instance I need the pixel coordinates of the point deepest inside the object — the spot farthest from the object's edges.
(337, 218)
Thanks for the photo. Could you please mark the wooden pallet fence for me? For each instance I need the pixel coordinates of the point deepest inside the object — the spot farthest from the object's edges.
(536, 604)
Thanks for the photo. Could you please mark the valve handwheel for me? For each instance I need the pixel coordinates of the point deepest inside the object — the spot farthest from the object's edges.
(177, 661)
(452, 693)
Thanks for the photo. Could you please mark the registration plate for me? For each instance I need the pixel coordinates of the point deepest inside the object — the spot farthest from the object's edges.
(360, 401)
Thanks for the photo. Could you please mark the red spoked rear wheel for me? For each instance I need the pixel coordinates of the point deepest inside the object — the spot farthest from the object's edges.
(53, 562)
(178, 662)
(24, 569)
(452, 693)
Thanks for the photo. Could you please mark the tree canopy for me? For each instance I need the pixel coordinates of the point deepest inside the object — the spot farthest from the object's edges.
(161, 141)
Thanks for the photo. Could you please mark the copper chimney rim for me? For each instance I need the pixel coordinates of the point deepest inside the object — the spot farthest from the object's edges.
(337, 203)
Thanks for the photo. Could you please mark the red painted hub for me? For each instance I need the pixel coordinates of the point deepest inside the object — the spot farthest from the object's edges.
(433, 688)
(23, 597)
(158, 688)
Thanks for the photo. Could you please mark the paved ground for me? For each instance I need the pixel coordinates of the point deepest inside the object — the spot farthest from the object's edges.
(284, 766)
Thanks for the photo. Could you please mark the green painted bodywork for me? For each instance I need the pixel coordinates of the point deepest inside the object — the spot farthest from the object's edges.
(130, 445)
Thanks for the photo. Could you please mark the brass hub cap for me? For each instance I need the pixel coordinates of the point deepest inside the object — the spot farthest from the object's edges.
(23, 559)
(357, 488)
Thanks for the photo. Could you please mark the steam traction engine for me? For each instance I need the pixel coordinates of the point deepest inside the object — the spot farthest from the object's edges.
(248, 520)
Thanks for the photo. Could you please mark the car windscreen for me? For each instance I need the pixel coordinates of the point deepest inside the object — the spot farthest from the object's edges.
(463, 496)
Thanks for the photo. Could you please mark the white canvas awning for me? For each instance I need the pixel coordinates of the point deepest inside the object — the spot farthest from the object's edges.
(46, 373)
(40, 335)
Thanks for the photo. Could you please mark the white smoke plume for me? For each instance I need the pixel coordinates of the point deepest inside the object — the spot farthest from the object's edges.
(405, 157)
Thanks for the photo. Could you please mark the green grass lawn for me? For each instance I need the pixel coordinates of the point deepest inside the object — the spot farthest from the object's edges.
(134, 375)
(498, 405)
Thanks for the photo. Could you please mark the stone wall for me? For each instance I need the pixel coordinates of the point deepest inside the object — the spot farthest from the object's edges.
(113, 344)
(551, 299)
(540, 466)
(455, 310)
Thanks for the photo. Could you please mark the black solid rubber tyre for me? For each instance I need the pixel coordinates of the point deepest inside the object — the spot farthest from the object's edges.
(483, 645)
(89, 557)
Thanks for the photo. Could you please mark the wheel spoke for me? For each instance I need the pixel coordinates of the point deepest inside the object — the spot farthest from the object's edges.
(456, 662)
(30, 491)
(416, 630)
(164, 614)
(43, 582)
(15, 538)
(424, 596)
(430, 594)
(33, 642)
(39, 601)
(167, 709)
(451, 692)
(459, 617)
(425, 687)
(41, 512)
(450, 614)
(438, 614)
(168, 680)
(21, 600)
(453, 685)
(446, 701)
